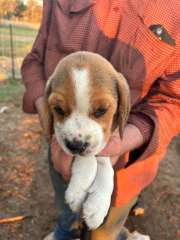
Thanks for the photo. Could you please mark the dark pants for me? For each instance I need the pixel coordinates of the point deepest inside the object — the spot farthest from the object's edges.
(69, 227)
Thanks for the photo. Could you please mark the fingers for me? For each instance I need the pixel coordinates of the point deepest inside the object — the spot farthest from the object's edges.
(61, 161)
(65, 157)
(113, 147)
(62, 164)
(114, 159)
(39, 108)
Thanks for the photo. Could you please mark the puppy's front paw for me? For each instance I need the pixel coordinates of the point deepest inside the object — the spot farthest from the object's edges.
(74, 197)
(83, 173)
(98, 201)
(94, 211)
(96, 207)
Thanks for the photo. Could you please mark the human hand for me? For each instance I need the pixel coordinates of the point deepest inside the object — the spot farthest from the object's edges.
(113, 148)
(116, 147)
(61, 161)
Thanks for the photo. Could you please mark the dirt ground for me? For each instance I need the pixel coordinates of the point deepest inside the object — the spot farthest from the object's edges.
(25, 187)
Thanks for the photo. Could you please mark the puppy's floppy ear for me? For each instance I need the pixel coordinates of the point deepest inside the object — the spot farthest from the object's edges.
(47, 116)
(123, 102)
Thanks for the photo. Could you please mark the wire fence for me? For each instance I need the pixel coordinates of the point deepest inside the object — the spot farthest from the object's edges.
(16, 40)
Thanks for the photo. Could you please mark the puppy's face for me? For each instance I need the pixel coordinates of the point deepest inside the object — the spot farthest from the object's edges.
(85, 99)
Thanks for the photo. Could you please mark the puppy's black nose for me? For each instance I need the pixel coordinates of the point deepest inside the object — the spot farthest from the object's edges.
(76, 146)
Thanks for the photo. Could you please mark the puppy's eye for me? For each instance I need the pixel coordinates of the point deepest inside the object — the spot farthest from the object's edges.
(100, 112)
(59, 110)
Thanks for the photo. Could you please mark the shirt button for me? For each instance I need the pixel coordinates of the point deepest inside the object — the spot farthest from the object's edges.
(159, 31)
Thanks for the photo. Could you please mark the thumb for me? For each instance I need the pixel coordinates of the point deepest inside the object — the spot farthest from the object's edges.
(113, 147)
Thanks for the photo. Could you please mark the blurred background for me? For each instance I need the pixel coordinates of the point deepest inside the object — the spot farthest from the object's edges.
(19, 21)
(27, 210)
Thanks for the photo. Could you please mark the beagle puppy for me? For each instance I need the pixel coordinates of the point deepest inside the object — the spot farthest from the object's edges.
(85, 100)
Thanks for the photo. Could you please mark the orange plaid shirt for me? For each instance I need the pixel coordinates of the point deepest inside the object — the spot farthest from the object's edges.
(120, 31)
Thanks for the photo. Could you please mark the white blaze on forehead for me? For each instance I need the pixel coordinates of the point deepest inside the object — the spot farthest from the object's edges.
(79, 125)
(82, 87)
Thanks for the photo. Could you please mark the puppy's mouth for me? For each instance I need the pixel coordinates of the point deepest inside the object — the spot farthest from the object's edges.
(79, 148)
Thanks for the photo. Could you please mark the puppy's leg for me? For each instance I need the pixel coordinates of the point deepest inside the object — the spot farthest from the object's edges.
(83, 174)
(98, 201)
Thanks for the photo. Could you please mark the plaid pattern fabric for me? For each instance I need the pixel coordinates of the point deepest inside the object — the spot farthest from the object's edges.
(120, 31)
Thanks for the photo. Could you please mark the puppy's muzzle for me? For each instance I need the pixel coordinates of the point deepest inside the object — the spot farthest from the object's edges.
(75, 146)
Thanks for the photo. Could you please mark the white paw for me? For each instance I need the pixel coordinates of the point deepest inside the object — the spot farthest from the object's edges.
(137, 236)
(75, 197)
(98, 200)
(83, 173)
(94, 211)
(96, 207)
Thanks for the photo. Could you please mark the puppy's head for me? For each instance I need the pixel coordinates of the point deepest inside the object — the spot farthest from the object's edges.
(85, 99)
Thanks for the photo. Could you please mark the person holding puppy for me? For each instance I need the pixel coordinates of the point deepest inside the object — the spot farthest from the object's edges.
(140, 39)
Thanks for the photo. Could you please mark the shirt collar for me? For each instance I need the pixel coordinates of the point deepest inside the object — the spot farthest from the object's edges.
(75, 6)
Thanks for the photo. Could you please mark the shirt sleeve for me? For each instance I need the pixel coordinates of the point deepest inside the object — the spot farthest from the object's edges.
(32, 69)
(158, 115)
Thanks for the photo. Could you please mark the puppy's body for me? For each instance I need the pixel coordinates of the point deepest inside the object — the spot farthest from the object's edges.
(86, 98)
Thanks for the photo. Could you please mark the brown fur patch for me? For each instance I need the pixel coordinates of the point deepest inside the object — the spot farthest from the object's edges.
(105, 100)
